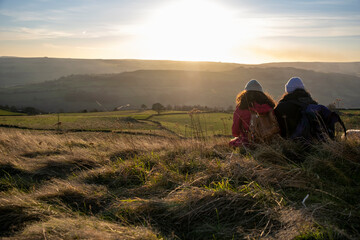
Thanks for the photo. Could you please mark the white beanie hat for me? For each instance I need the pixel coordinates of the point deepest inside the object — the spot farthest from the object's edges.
(253, 85)
(293, 84)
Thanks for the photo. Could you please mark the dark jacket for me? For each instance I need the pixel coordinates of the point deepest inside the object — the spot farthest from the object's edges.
(288, 113)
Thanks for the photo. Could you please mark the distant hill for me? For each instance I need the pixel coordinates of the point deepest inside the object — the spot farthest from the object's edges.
(352, 68)
(18, 71)
(107, 91)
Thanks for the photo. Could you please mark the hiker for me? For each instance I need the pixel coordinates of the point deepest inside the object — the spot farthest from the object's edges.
(289, 109)
(301, 117)
(251, 105)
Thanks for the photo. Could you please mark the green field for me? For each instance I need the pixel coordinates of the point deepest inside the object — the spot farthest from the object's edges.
(351, 118)
(180, 123)
(177, 121)
(118, 120)
(201, 124)
(7, 113)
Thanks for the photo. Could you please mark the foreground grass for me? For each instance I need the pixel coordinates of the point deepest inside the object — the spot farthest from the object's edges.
(111, 186)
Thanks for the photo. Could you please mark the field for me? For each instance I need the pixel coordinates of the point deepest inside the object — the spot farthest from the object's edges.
(7, 113)
(165, 182)
(179, 123)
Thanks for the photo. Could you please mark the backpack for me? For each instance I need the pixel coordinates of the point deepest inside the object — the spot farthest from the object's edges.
(262, 127)
(317, 122)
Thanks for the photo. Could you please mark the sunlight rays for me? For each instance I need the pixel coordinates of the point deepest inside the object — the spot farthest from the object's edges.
(196, 30)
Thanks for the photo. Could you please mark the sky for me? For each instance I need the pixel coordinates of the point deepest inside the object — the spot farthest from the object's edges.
(256, 31)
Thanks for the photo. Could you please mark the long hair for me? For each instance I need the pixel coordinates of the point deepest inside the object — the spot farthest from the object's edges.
(246, 99)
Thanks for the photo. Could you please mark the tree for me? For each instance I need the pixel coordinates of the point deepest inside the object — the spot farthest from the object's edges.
(143, 107)
(169, 107)
(158, 107)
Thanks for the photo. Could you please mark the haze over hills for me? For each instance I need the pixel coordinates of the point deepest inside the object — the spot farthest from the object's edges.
(352, 68)
(175, 87)
(19, 71)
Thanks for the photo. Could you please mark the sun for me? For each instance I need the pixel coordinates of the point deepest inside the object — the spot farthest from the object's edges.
(195, 30)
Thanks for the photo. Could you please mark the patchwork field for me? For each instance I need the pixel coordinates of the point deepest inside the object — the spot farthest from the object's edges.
(178, 123)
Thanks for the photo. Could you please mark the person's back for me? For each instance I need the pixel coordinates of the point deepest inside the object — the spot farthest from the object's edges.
(249, 102)
(289, 109)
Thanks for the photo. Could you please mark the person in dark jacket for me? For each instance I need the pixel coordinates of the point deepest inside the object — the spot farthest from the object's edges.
(288, 110)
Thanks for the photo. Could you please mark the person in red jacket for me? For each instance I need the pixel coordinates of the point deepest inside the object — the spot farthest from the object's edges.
(252, 98)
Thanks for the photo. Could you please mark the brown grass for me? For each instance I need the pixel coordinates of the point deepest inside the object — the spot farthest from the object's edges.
(111, 186)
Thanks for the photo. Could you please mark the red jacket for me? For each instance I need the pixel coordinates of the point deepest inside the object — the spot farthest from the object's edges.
(241, 122)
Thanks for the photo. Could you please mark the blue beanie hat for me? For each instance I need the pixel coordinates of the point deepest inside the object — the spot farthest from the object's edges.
(253, 85)
(293, 84)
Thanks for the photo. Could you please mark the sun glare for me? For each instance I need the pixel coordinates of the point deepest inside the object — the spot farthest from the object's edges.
(196, 30)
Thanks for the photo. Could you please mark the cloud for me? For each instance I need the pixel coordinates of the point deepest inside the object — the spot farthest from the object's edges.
(107, 31)
(308, 26)
(24, 33)
(25, 16)
(306, 53)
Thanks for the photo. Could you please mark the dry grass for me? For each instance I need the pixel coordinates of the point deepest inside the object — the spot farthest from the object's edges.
(111, 186)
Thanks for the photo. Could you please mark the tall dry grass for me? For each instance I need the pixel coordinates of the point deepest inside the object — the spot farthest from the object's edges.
(112, 186)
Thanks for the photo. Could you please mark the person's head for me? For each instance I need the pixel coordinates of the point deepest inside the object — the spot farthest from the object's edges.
(253, 92)
(295, 89)
(293, 84)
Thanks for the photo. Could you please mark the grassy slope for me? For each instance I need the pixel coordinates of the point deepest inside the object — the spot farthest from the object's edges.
(103, 185)
(7, 113)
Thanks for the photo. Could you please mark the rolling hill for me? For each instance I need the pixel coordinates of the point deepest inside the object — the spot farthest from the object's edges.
(352, 68)
(19, 71)
(175, 87)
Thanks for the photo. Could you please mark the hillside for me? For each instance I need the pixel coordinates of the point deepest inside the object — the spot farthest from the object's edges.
(117, 186)
(107, 91)
(17, 71)
(8, 113)
(352, 68)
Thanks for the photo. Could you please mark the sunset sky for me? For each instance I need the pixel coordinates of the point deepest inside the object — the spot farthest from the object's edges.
(241, 31)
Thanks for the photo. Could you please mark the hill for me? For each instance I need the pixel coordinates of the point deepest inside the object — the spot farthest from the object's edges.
(116, 186)
(107, 91)
(352, 68)
(17, 71)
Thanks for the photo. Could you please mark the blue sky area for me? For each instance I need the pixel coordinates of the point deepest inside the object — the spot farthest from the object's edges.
(208, 30)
